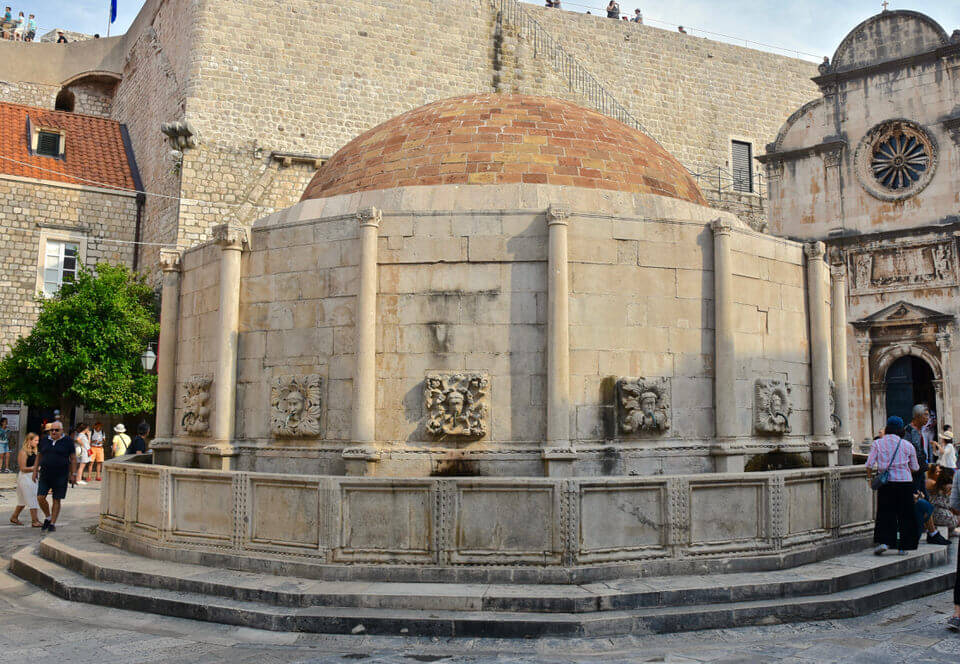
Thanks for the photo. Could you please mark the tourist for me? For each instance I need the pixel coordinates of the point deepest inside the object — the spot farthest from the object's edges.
(56, 466)
(954, 622)
(121, 441)
(31, 30)
(96, 450)
(681, 30)
(26, 485)
(637, 16)
(19, 25)
(613, 9)
(896, 521)
(4, 446)
(943, 517)
(7, 24)
(946, 449)
(83, 450)
(139, 444)
(61, 39)
(929, 433)
(924, 509)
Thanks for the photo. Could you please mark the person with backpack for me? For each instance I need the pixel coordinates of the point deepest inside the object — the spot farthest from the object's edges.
(891, 464)
(121, 441)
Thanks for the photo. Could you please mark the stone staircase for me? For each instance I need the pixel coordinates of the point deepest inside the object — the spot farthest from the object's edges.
(86, 570)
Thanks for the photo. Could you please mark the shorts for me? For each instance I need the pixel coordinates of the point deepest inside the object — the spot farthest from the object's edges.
(55, 483)
(4, 447)
(96, 454)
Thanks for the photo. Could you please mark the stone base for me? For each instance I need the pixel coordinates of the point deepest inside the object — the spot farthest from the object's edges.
(559, 462)
(824, 455)
(361, 461)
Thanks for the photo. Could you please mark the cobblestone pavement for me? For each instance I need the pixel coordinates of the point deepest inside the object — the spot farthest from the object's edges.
(36, 627)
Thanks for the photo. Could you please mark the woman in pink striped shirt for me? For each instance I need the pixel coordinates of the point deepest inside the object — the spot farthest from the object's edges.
(896, 525)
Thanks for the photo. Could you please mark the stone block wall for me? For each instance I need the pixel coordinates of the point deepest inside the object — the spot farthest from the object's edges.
(29, 208)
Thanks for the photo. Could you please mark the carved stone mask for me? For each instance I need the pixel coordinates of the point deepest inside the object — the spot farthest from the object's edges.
(648, 403)
(455, 401)
(293, 405)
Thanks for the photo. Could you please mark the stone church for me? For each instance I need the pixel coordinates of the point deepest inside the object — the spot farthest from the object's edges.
(872, 168)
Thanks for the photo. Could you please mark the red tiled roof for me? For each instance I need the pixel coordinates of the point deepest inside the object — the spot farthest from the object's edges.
(500, 139)
(94, 152)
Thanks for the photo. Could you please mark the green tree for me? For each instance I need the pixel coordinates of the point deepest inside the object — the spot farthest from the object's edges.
(85, 346)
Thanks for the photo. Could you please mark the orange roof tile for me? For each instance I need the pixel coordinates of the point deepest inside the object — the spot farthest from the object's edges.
(94, 153)
(498, 139)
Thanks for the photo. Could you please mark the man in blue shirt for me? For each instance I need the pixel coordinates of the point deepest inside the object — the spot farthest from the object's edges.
(56, 467)
(4, 447)
(912, 434)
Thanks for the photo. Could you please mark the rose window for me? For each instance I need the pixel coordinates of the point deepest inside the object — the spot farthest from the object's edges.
(899, 161)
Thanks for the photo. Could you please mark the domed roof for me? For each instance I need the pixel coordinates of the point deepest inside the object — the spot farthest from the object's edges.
(502, 139)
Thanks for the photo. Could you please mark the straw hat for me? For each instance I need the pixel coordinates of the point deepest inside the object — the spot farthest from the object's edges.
(947, 435)
(120, 428)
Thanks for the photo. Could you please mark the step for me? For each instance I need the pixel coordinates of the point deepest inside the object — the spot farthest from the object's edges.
(73, 586)
(101, 562)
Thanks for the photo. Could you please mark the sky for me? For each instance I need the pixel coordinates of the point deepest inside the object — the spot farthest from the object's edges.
(812, 27)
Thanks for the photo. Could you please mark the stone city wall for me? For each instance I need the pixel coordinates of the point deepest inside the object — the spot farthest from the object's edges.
(32, 208)
(572, 530)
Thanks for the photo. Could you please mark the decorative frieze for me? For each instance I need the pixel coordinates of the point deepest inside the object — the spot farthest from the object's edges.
(196, 406)
(772, 406)
(903, 267)
(643, 405)
(835, 421)
(295, 404)
(456, 403)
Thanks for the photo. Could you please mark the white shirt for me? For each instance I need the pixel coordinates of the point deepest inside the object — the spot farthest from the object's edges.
(948, 456)
(97, 437)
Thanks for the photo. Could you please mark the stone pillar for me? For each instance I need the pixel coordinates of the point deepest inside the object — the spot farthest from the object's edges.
(823, 448)
(167, 348)
(867, 428)
(945, 416)
(728, 456)
(558, 454)
(231, 238)
(363, 418)
(838, 339)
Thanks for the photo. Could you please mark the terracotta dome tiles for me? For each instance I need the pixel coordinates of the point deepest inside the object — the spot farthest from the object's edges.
(504, 139)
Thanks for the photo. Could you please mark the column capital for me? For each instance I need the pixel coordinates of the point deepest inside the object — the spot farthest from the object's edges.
(838, 271)
(170, 260)
(231, 236)
(944, 340)
(814, 250)
(370, 216)
(863, 345)
(558, 215)
(721, 227)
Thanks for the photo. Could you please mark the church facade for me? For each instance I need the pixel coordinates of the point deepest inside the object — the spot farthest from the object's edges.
(872, 168)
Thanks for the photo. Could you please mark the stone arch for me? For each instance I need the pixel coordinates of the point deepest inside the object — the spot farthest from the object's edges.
(896, 34)
(890, 355)
(66, 101)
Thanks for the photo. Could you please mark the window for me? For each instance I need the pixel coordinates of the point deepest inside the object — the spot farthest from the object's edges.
(48, 143)
(741, 162)
(65, 101)
(59, 265)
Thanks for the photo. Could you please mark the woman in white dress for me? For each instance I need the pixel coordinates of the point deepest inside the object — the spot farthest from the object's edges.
(946, 450)
(83, 450)
(26, 486)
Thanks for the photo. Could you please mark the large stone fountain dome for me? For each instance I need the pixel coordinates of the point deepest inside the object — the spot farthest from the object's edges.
(504, 139)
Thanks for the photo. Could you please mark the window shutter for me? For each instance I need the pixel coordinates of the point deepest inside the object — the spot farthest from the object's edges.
(48, 144)
(742, 163)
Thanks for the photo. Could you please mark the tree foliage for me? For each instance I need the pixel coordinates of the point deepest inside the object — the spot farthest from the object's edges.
(85, 346)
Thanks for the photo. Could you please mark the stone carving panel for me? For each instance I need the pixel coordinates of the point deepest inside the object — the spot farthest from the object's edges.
(904, 267)
(834, 418)
(772, 406)
(295, 405)
(196, 405)
(643, 405)
(457, 403)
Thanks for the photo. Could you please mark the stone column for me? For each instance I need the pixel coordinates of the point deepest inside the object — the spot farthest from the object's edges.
(363, 418)
(867, 428)
(728, 457)
(231, 238)
(945, 416)
(838, 338)
(823, 448)
(167, 350)
(558, 454)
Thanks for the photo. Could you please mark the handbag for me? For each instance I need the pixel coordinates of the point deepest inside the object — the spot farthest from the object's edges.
(882, 478)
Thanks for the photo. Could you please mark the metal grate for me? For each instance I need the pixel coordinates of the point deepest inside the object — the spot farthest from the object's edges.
(742, 166)
(48, 144)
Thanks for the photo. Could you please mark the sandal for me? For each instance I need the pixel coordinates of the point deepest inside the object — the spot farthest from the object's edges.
(16, 522)
(36, 524)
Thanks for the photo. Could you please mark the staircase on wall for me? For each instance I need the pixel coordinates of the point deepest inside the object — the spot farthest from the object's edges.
(717, 183)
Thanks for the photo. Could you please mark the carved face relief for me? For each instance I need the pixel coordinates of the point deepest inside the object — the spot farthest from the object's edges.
(456, 403)
(295, 405)
(771, 406)
(643, 405)
(196, 410)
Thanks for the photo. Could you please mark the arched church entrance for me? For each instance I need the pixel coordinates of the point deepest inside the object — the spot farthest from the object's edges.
(909, 381)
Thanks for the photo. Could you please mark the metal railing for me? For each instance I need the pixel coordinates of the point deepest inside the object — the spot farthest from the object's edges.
(719, 180)
(578, 77)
